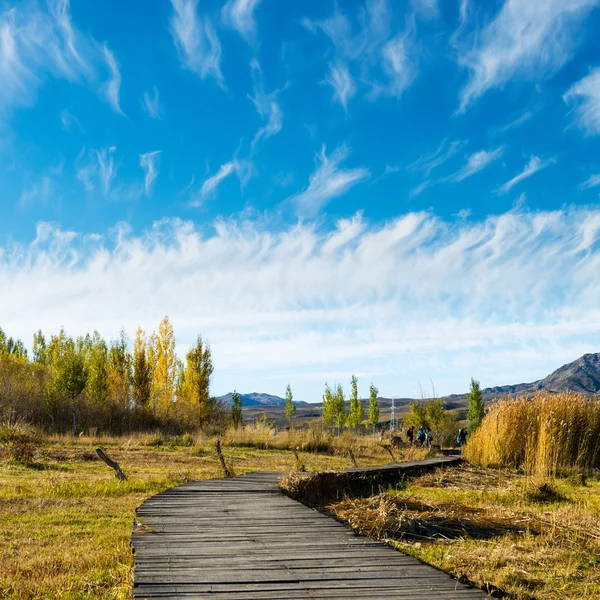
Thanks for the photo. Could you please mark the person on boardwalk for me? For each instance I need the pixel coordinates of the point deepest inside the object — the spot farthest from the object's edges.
(461, 438)
(428, 437)
(410, 434)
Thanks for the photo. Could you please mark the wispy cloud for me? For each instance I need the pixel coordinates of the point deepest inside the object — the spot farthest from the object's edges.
(384, 63)
(196, 40)
(525, 39)
(112, 87)
(534, 165)
(97, 168)
(327, 182)
(427, 9)
(477, 162)
(239, 15)
(303, 297)
(398, 64)
(585, 95)
(152, 104)
(266, 105)
(68, 120)
(37, 44)
(38, 191)
(241, 168)
(444, 152)
(341, 81)
(591, 182)
(149, 162)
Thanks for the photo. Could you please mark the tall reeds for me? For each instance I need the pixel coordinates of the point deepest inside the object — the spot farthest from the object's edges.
(543, 435)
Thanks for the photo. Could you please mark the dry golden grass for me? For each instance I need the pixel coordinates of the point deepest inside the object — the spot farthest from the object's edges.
(495, 528)
(545, 435)
(65, 520)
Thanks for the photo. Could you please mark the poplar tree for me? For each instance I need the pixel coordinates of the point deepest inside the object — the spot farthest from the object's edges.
(97, 380)
(339, 407)
(373, 407)
(236, 409)
(328, 406)
(475, 410)
(290, 407)
(164, 369)
(195, 388)
(356, 414)
(120, 363)
(142, 371)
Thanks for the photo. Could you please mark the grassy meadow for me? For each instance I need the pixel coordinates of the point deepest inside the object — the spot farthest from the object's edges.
(65, 520)
(493, 527)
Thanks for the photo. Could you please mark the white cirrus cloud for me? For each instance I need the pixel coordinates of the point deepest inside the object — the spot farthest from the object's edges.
(427, 9)
(151, 102)
(524, 40)
(413, 298)
(383, 58)
(97, 168)
(341, 81)
(585, 95)
(591, 182)
(37, 45)
(266, 106)
(477, 162)
(241, 168)
(196, 40)
(443, 153)
(149, 162)
(112, 87)
(534, 165)
(239, 15)
(328, 181)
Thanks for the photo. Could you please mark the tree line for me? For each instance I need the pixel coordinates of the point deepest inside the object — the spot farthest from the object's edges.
(74, 384)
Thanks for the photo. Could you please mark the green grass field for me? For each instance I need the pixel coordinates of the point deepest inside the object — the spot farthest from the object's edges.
(65, 521)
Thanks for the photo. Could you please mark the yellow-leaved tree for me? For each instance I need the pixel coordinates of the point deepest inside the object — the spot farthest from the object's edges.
(164, 372)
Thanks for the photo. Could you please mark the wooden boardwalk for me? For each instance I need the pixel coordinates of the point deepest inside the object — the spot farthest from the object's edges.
(242, 539)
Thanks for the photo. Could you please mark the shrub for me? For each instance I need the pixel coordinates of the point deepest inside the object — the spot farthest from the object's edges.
(19, 438)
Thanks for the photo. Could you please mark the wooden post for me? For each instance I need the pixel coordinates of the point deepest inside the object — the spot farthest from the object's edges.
(389, 449)
(112, 464)
(351, 454)
(226, 471)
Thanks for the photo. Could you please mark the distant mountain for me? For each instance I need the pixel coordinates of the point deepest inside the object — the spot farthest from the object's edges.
(256, 399)
(582, 375)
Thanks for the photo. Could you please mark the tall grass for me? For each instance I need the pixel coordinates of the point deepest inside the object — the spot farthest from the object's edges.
(544, 435)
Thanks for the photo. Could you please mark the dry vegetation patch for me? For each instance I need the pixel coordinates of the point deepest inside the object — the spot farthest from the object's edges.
(493, 527)
(65, 520)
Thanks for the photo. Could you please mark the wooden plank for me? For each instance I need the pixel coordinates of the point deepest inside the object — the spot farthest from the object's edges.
(241, 539)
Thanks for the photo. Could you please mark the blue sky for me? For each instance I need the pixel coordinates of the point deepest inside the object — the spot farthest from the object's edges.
(407, 190)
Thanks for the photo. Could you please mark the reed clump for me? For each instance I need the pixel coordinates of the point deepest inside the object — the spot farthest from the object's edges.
(545, 436)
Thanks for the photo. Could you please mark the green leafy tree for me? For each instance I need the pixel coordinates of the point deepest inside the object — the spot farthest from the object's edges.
(356, 414)
(142, 370)
(195, 387)
(328, 406)
(290, 407)
(97, 368)
(120, 365)
(40, 354)
(339, 407)
(373, 407)
(236, 409)
(68, 373)
(475, 407)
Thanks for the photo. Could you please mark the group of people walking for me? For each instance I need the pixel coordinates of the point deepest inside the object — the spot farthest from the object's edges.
(424, 436)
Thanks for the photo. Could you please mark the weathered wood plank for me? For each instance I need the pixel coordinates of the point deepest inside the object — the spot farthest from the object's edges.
(241, 539)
